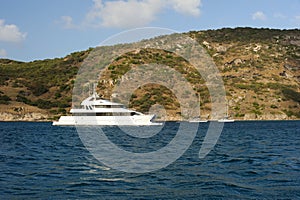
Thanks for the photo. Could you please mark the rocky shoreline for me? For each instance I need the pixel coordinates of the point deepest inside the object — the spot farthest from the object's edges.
(5, 116)
(40, 117)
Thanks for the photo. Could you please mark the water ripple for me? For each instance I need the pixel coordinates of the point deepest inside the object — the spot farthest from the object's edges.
(39, 161)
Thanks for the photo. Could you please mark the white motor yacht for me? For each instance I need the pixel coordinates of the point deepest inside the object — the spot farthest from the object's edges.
(97, 111)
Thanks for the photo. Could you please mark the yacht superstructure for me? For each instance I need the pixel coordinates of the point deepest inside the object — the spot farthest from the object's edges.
(97, 111)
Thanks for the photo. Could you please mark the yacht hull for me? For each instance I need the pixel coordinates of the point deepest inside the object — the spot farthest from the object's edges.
(139, 120)
(226, 120)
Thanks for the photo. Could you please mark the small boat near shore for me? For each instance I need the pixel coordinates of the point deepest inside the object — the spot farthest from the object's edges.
(197, 120)
(97, 111)
(226, 119)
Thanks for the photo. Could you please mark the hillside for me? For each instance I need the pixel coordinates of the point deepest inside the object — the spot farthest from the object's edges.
(260, 69)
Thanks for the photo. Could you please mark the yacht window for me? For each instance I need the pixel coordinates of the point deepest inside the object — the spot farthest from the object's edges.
(84, 114)
(99, 106)
(117, 106)
(109, 106)
(103, 106)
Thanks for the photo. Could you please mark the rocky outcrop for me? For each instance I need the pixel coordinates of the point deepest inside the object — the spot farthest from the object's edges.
(6, 116)
(279, 116)
(221, 49)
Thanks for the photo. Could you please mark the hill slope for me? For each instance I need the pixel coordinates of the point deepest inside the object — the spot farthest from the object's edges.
(260, 70)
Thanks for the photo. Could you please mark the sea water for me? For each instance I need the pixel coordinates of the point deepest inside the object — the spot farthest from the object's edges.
(251, 160)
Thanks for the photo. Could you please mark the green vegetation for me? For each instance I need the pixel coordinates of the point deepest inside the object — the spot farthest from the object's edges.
(260, 70)
(153, 94)
(290, 113)
(274, 106)
(39, 76)
(291, 94)
(244, 35)
(256, 87)
(4, 99)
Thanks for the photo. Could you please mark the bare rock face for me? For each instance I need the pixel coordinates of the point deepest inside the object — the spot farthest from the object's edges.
(206, 44)
(249, 116)
(280, 116)
(34, 117)
(237, 61)
(268, 116)
(6, 116)
(221, 49)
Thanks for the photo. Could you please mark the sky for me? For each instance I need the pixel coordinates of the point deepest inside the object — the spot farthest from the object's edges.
(45, 29)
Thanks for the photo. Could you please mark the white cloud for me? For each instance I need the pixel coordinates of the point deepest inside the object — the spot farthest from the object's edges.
(10, 33)
(123, 14)
(3, 53)
(67, 22)
(131, 13)
(188, 7)
(259, 16)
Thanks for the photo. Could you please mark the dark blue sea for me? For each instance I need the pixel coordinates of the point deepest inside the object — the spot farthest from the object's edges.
(251, 160)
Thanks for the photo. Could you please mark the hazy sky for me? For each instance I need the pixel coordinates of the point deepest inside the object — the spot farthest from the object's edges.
(40, 29)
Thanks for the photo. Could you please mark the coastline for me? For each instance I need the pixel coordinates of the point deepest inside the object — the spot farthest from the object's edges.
(235, 120)
(259, 84)
(44, 116)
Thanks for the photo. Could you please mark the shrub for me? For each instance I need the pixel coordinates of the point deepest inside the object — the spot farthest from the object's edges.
(21, 98)
(61, 110)
(289, 113)
(62, 104)
(4, 99)
(291, 94)
(44, 104)
(274, 106)
(38, 89)
(57, 95)
(256, 105)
